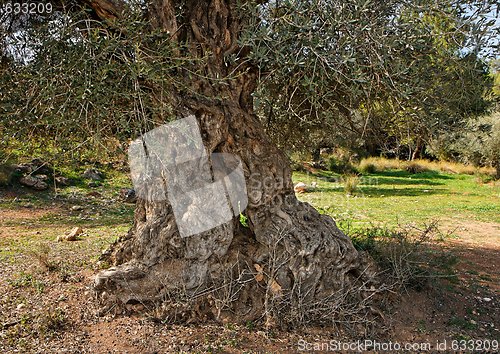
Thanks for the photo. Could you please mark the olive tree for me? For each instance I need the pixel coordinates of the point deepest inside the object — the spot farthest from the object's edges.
(102, 69)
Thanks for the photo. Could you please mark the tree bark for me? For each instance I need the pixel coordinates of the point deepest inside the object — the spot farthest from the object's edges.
(288, 258)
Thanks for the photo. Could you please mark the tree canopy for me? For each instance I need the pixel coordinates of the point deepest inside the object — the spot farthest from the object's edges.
(365, 74)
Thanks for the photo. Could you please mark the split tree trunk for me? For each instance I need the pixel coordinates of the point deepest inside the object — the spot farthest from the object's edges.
(289, 255)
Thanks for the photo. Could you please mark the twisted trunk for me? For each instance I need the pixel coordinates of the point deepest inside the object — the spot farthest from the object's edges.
(288, 256)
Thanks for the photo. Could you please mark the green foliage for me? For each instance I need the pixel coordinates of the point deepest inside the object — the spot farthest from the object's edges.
(243, 220)
(339, 164)
(383, 79)
(478, 144)
(27, 280)
(380, 76)
(88, 87)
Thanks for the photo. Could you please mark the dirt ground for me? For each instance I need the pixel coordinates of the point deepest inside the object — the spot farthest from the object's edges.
(46, 304)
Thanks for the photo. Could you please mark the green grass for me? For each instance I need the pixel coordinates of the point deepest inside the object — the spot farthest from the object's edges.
(103, 219)
(399, 197)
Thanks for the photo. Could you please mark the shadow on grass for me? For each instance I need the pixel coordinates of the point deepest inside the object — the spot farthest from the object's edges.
(378, 192)
(76, 208)
(406, 181)
(406, 174)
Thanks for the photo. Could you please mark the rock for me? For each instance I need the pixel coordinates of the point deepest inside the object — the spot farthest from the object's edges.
(93, 174)
(39, 167)
(300, 187)
(94, 194)
(128, 195)
(20, 306)
(23, 168)
(62, 181)
(33, 182)
(135, 307)
(72, 235)
(76, 207)
(487, 299)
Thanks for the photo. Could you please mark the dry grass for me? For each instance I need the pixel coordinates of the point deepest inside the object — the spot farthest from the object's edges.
(351, 183)
(380, 164)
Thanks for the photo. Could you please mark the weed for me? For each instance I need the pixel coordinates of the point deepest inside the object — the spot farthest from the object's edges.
(250, 325)
(41, 254)
(462, 323)
(380, 164)
(403, 254)
(27, 280)
(243, 220)
(51, 321)
(351, 183)
(415, 167)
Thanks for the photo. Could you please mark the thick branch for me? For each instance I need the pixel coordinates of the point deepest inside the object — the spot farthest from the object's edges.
(107, 10)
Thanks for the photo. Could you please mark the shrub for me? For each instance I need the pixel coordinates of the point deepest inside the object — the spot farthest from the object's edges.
(339, 165)
(6, 174)
(405, 255)
(366, 167)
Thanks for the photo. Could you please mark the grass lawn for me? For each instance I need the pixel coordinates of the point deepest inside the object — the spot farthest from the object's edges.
(399, 197)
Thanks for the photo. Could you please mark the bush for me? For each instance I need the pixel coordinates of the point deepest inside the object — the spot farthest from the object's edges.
(405, 255)
(6, 174)
(340, 165)
(366, 167)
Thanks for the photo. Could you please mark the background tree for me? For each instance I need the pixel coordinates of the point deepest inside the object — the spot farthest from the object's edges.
(393, 95)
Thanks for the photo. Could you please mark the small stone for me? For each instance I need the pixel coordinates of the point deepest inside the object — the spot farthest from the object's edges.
(300, 187)
(135, 307)
(76, 207)
(20, 306)
(128, 195)
(22, 168)
(33, 182)
(487, 299)
(77, 231)
(473, 322)
(62, 181)
(44, 178)
(72, 235)
(93, 174)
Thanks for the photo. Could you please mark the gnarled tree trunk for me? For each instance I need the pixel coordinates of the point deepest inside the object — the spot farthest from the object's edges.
(288, 256)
